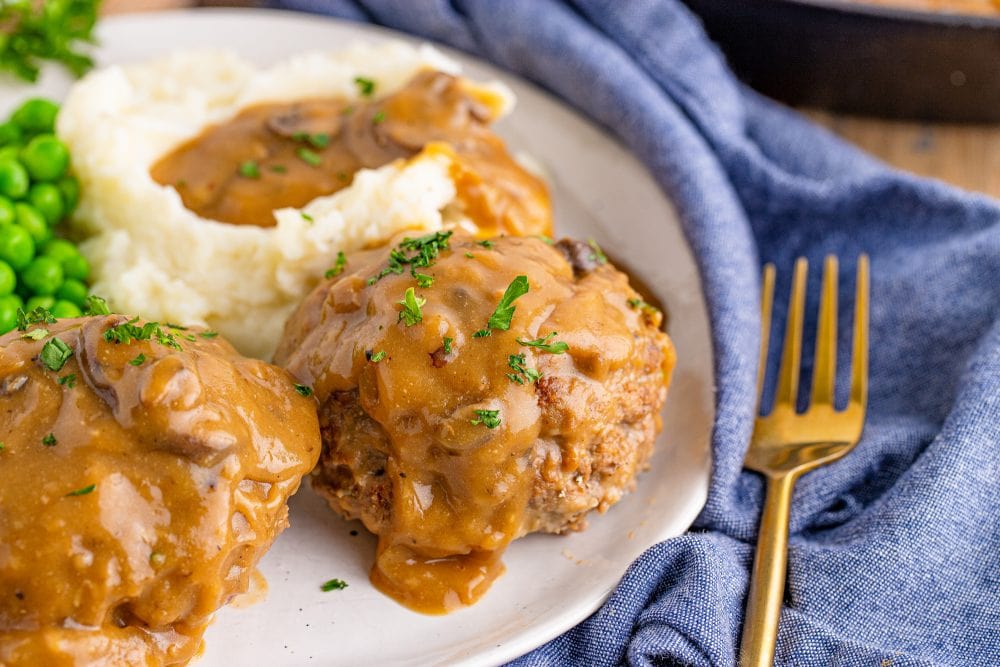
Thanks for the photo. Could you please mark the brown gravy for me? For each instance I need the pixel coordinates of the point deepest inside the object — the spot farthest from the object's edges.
(272, 156)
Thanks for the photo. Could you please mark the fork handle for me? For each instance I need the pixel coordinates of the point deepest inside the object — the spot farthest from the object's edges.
(767, 583)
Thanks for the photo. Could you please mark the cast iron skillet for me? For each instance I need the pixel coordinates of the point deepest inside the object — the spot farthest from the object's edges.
(864, 59)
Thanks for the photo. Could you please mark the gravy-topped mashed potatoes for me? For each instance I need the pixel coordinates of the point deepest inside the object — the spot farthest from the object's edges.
(215, 193)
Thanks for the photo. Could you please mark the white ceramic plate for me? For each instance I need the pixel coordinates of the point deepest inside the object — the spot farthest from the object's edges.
(552, 583)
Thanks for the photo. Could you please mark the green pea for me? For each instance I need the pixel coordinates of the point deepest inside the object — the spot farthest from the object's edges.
(63, 308)
(17, 248)
(70, 189)
(10, 152)
(7, 215)
(31, 220)
(48, 200)
(46, 302)
(45, 157)
(8, 279)
(76, 267)
(13, 179)
(43, 275)
(72, 290)
(9, 134)
(59, 249)
(36, 115)
(9, 306)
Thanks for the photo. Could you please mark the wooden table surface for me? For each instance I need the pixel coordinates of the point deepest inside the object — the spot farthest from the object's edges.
(965, 155)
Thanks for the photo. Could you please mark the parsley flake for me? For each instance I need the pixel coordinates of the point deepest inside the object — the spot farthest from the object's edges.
(379, 117)
(423, 280)
(447, 344)
(55, 354)
(470, 255)
(641, 305)
(308, 156)
(411, 303)
(378, 356)
(126, 332)
(95, 305)
(304, 390)
(139, 359)
(598, 254)
(36, 334)
(278, 168)
(486, 243)
(366, 86)
(521, 372)
(82, 492)
(488, 418)
(49, 440)
(209, 334)
(338, 266)
(39, 315)
(333, 585)
(543, 344)
(501, 317)
(417, 253)
(68, 381)
(249, 169)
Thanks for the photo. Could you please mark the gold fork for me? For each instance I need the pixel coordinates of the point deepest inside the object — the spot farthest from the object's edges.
(786, 445)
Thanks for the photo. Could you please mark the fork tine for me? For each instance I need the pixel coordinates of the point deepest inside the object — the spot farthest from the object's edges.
(825, 366)
(788, 377)
(859, 355)
(766, 303)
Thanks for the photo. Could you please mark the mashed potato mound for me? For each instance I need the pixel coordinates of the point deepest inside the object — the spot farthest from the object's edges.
(154, 257)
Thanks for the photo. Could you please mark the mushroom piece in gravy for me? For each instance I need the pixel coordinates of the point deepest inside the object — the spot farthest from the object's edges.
(472, 392)
(143, 477)
(272, 156)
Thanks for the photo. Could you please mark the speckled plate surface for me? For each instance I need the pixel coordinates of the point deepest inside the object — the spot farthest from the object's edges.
(551, 583)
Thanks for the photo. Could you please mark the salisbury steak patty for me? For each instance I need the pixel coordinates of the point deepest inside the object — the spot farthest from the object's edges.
(472, 392)
(144, 471)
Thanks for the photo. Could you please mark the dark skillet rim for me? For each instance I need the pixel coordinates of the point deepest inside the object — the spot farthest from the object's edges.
(972, 21)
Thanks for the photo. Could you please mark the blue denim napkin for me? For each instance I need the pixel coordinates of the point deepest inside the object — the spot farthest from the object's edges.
(895, 550)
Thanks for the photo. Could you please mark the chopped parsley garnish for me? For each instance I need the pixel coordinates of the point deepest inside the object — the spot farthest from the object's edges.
(639, 304)
(488, 418)
(68, 381)
(318, 140)
(486, 243)
(171, 325)
(36, 334)
(2, 446)
(447, 344)
(547, 239)
(470, 255)
(249, 169)
(308, 156)
(338, 266)
(543, 344)
(598, 254)
(82, 492)
(278, 168)
(95, 305)
(333, 585)
(521, 372)
(379, 117)
(306, 216)
(39, 315)
(126, 332)
(501, 317)
(423, 280)
(304, 390)
(209, 334)
(378, 356)
(417, 252)
(366, 87)
(54, 31)
(411, 303)
(49, 440)
(55, 354)
(139, 360)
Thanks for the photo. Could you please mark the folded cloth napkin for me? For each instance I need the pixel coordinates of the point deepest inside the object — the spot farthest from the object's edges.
(895, 550)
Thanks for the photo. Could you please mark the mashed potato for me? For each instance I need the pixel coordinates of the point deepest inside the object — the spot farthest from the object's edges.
(154, 257)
